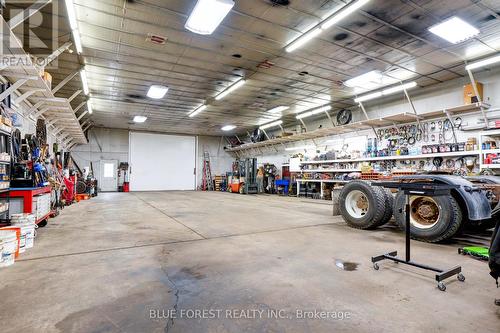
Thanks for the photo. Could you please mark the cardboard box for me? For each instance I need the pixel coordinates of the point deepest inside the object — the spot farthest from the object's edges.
(469, 94)
(48, 78)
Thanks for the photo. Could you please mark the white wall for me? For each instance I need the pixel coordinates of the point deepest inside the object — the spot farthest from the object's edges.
(104, 144)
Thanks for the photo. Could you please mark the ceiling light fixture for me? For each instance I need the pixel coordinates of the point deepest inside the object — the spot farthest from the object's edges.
(303, 39)
(197, 111)
(364, 79)
(157, 91)
(300, 148)
(270, 125)
(207, 15)
(85, 83)
(483, 63)
(325, 24)
(454, 30)
(314, 112)
(230, 89)
(228, 128)
(73, 23)
(278, 109)
(89, 107)
(343, 13)
(386, 92)
(140, 119)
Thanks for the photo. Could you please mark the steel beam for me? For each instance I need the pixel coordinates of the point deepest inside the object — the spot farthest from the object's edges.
(12, 88)
(82, 115)
(58, 52)
(74, 95)
(64, 82)
(26, 95)
(82, 104)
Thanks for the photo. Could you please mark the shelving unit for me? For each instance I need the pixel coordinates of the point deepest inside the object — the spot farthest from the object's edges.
(53, 109)
(331, 170)
(387, 121)
(5, 171)
(399, 157)
(494, 135)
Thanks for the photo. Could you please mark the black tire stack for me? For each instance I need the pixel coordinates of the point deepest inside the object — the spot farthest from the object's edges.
(380, 205)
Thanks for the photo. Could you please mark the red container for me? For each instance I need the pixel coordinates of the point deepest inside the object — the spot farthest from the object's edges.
(126, 187)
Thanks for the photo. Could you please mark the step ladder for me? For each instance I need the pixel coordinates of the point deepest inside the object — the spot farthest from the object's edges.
(207, 184)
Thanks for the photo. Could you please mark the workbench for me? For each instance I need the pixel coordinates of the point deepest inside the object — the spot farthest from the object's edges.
(28, 195)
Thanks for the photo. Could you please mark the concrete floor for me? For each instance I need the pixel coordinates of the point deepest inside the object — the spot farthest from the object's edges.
(112, 263)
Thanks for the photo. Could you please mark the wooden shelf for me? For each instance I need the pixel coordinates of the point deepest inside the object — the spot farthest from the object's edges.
(331, 170)
(490, 166)
(390, 120)
(400, 157)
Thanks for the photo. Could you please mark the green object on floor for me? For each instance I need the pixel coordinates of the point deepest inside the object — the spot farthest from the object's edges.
(475, 251)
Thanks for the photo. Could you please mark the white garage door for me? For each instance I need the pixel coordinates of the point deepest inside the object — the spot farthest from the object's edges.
(162, 162)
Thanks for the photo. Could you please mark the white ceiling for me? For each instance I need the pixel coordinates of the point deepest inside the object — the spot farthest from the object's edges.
(386, 35)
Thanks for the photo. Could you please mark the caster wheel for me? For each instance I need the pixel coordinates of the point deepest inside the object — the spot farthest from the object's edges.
(375, 266)
(461, 277)
(441, 286)
(460, 251)
(42, 223)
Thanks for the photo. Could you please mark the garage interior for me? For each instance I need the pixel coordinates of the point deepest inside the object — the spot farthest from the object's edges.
(258, 165)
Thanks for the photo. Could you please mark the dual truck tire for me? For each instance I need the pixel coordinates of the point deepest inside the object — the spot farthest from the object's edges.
(367, 207)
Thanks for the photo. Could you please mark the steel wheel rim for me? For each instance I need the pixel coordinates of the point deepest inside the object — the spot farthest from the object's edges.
(357, 204)
(424, 212)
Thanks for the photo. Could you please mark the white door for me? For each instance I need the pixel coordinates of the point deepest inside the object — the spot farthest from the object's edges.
(160, 162)
(109, 176)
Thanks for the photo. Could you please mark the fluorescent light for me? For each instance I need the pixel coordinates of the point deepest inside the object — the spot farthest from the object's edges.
(343, 13)
(85, 83)
(207, 15)
(454, 30)
(278, 109)
(273, 124)
(396, 89)
(197, 111)
(228, 128)
(482, 63)
(362, 80)
(157, 91)
(385, 92)
(70, 8)
(368, 97)
(314, 112)
(303, 39)
(73, 23)
(78, 41)
(230, 90)
(300, 148)
(89, 107)
(140, 119)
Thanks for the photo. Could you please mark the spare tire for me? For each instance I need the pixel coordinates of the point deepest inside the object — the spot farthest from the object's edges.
(361, 205)
(432, 219)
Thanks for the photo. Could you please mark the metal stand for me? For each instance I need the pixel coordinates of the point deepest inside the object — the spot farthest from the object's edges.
(425, 189)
